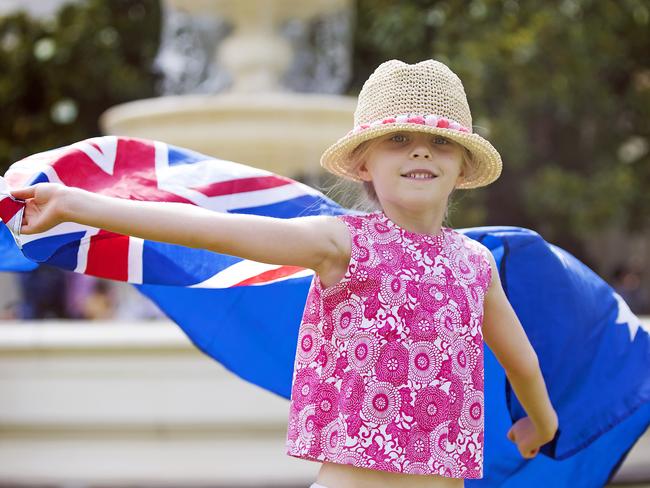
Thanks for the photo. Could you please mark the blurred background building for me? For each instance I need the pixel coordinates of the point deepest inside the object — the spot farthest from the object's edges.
(562, 88)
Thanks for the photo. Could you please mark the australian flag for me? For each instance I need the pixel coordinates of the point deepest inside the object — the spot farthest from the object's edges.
(593, 351)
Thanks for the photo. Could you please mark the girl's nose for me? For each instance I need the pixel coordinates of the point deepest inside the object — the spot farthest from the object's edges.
(420, 151)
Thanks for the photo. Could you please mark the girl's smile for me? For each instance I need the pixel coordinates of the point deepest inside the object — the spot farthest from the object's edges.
(422, 175)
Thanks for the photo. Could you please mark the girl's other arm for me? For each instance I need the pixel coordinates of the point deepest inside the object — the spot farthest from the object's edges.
(309, 242)
(506, 337)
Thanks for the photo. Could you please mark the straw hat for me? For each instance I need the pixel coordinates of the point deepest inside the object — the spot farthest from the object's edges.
(424, 97)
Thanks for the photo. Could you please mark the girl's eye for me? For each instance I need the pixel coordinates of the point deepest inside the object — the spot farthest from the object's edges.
(398, 138)
(440, 138)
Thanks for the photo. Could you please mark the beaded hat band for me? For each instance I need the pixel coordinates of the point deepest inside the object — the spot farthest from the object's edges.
(424, 97)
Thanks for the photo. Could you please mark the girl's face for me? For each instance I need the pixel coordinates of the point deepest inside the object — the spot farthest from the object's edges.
(394, 158)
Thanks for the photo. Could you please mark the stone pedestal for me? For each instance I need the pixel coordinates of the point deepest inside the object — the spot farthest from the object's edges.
(100, 404)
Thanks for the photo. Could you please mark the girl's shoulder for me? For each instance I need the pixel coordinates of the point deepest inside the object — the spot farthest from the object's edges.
(468, 241)
(473, 245)
(338, 228)
(346, 224)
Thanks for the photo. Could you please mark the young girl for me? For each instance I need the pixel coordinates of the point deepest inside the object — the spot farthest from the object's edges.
(388, 378)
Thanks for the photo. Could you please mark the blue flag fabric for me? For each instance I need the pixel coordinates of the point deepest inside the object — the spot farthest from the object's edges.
(11, 259)
(567, 310)
(593, 351)
(595, 358)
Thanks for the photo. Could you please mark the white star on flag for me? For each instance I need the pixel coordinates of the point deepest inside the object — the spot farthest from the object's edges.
(625, 316)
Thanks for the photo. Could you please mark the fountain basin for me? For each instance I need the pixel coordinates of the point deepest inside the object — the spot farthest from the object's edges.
(279, 132)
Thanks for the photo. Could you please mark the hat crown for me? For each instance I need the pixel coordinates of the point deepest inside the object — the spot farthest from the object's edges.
(426, 88)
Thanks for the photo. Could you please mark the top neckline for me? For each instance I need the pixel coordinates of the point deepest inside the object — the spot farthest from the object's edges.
(436, 237)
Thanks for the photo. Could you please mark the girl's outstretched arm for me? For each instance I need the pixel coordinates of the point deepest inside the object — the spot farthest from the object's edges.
(309, 242)
(506, 337)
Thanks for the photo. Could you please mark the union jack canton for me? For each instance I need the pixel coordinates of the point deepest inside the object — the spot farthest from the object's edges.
(139, 169)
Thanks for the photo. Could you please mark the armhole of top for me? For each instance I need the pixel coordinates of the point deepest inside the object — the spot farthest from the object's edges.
(346, 219)
(486, 251)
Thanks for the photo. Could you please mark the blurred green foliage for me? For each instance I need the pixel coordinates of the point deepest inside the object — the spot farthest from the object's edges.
(59, 74)
(561, 89)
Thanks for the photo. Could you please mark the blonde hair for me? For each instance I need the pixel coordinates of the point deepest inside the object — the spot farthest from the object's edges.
(362, 195)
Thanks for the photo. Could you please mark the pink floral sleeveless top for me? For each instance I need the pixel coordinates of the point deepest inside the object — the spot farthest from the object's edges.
(389, 363)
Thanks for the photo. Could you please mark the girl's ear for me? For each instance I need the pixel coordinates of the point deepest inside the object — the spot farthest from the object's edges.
(459, 179)
(461, 175)
(363, 172)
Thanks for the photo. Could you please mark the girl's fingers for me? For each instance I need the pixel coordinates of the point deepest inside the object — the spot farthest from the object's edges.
(23, 193)
(528, 453)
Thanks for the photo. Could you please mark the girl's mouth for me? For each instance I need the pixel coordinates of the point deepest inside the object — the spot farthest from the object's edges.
(419, 175)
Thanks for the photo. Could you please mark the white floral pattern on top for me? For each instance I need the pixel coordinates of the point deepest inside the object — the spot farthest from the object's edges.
(389, 362)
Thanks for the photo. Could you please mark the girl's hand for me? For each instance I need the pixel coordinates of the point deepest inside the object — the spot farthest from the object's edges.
(527, 438)
(44, 206)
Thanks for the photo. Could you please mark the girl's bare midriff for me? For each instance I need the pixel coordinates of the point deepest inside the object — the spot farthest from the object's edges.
(333, 475)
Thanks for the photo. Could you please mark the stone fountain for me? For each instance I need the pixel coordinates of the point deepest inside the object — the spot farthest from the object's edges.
(255, 119)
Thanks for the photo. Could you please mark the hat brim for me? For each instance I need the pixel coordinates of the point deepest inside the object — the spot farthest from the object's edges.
(337, 158)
